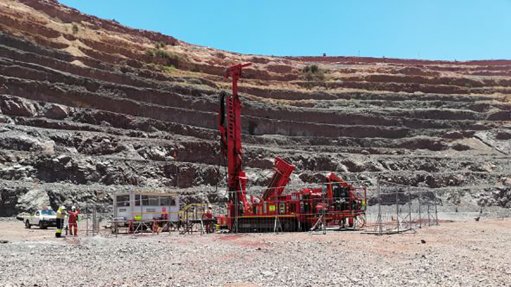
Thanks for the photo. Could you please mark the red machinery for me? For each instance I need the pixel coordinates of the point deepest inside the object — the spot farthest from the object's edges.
(333, 204)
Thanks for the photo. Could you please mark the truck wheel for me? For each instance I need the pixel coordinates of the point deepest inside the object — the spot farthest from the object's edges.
(42, 225)
(27, 224)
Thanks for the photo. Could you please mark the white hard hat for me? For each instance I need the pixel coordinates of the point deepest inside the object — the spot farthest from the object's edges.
(73, 207)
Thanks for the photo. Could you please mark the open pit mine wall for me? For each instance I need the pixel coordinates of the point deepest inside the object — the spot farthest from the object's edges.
(89, 107)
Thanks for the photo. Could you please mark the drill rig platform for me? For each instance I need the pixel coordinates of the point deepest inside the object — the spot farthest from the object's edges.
(335, 203)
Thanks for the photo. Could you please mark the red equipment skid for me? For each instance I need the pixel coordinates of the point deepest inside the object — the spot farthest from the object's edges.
(336, 201)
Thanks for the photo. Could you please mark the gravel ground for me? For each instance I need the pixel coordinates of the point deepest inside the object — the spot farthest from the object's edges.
(463, 253)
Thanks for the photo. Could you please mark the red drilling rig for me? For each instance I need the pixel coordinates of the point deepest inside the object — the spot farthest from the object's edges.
(335, 203)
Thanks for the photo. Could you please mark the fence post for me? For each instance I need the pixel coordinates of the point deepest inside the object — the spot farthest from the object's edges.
(87, 219)
(429, 215)
(409, 208)
(436, 211)
(397, 211)
(420, 217)
(379, 219)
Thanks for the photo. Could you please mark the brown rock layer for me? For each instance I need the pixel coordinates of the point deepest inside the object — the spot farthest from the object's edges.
(90, 104)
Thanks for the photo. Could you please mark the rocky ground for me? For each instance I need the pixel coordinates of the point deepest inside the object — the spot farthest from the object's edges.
(89, 107)
(461, 253)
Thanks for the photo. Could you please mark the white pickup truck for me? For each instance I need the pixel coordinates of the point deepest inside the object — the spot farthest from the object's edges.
(42, 218)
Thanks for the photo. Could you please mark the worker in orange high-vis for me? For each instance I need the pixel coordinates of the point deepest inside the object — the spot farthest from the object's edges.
(207, 218)
(73, 221)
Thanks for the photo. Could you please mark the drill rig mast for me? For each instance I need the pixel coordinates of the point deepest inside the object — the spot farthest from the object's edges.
(230, 131)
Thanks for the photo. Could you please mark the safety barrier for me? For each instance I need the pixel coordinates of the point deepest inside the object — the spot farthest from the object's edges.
(402, 208)
(390, 208)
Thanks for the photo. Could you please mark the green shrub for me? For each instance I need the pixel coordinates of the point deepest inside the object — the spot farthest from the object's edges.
(163, 57)
(160, 45)
(311, 69)
(168, 69)
(312, 73)
(75, 29)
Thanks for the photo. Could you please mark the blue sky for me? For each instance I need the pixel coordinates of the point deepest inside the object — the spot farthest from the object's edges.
(425, 29)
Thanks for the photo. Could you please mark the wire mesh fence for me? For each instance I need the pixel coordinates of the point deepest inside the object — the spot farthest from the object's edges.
(398, 208)
(94, 217)
(385, 208)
